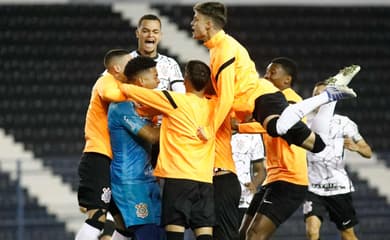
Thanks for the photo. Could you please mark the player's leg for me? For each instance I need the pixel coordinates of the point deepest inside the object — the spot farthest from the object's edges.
(314, 208)
(313, 225)
(176, 206)
(120, 232)
(251, 212)
(280, 201)
(281, 119)
(108, 229)
(343, 214)
(227, 192)
(348, 234)
(203, 212)
(336, 90)
(94, 193)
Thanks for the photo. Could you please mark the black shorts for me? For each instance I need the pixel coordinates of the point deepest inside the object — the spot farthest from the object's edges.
(187, 203)
(227, 192)
(339, 207)
(278, 201)
(269, 104)
(94, 190)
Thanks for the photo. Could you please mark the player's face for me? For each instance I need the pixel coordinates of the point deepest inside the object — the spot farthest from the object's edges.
(199, 25)
(149, 35)
(278, 76)
(150, 79)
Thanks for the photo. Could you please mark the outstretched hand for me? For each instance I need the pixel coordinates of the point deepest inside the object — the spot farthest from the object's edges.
(350, 144)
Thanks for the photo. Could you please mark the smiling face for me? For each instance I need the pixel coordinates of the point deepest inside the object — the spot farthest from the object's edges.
(148, 78)
(149, 36)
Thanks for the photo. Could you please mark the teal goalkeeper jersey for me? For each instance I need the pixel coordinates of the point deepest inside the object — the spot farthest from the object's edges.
(131, 154)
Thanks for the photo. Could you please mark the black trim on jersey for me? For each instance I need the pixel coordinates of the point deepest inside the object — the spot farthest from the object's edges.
(170, 99)
(154, 58)
(223, 66)
(176, 81)
(291, 102)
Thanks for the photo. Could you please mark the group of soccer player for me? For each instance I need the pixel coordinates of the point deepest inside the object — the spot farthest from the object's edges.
(142, 100)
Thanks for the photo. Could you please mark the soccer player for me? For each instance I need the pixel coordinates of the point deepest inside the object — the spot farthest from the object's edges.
(285, 186)
(134, 188)
(330, 188)
(149, 34)
(187, 151)
(94, 192)
(248, 155)
(236, 80)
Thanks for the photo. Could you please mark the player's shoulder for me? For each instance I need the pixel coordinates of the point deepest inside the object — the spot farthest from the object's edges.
(164, 58)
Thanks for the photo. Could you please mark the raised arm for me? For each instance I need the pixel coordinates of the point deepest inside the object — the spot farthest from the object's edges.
(360, 147)
(154, 98)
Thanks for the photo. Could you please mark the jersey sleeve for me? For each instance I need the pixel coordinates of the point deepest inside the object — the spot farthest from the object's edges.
(251, 127)
(108, 90)
(154, 98)
(224, 74)
(176, 78)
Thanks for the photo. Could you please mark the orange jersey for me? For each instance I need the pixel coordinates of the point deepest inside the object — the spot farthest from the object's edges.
(97, 138)
(183, 154)
(234, 74)
(285, 162)
(251, 127)
(236, 81)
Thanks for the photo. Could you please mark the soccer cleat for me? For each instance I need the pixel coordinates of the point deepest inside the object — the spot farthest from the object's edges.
(344, 76)
(338, 92)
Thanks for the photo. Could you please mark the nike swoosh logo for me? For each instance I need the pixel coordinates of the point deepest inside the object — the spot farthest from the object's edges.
(346, 222)
(266, 201)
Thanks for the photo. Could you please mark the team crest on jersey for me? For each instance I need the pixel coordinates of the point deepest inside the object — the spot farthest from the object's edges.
(142, 210)
(106, 195)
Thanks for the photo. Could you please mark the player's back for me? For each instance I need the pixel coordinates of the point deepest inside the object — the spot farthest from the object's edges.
(183, 154)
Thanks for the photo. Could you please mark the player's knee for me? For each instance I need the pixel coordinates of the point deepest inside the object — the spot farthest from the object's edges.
(96, 219)
(95, 223)
(297, 134)
(312, 234)
(108, 229)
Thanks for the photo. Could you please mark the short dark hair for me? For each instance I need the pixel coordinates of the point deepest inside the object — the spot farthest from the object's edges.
(215, 10)
(137, 65)
(149, 17)
(198, 73)
(289, 66)
(112, 54)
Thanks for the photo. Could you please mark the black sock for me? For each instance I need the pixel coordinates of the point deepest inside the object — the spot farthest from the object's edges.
(175, 235)
(204, 237)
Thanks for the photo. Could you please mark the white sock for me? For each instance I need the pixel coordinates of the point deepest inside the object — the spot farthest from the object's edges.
(117, 236)
(321, 122)
(87, 232)
(295, 112)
